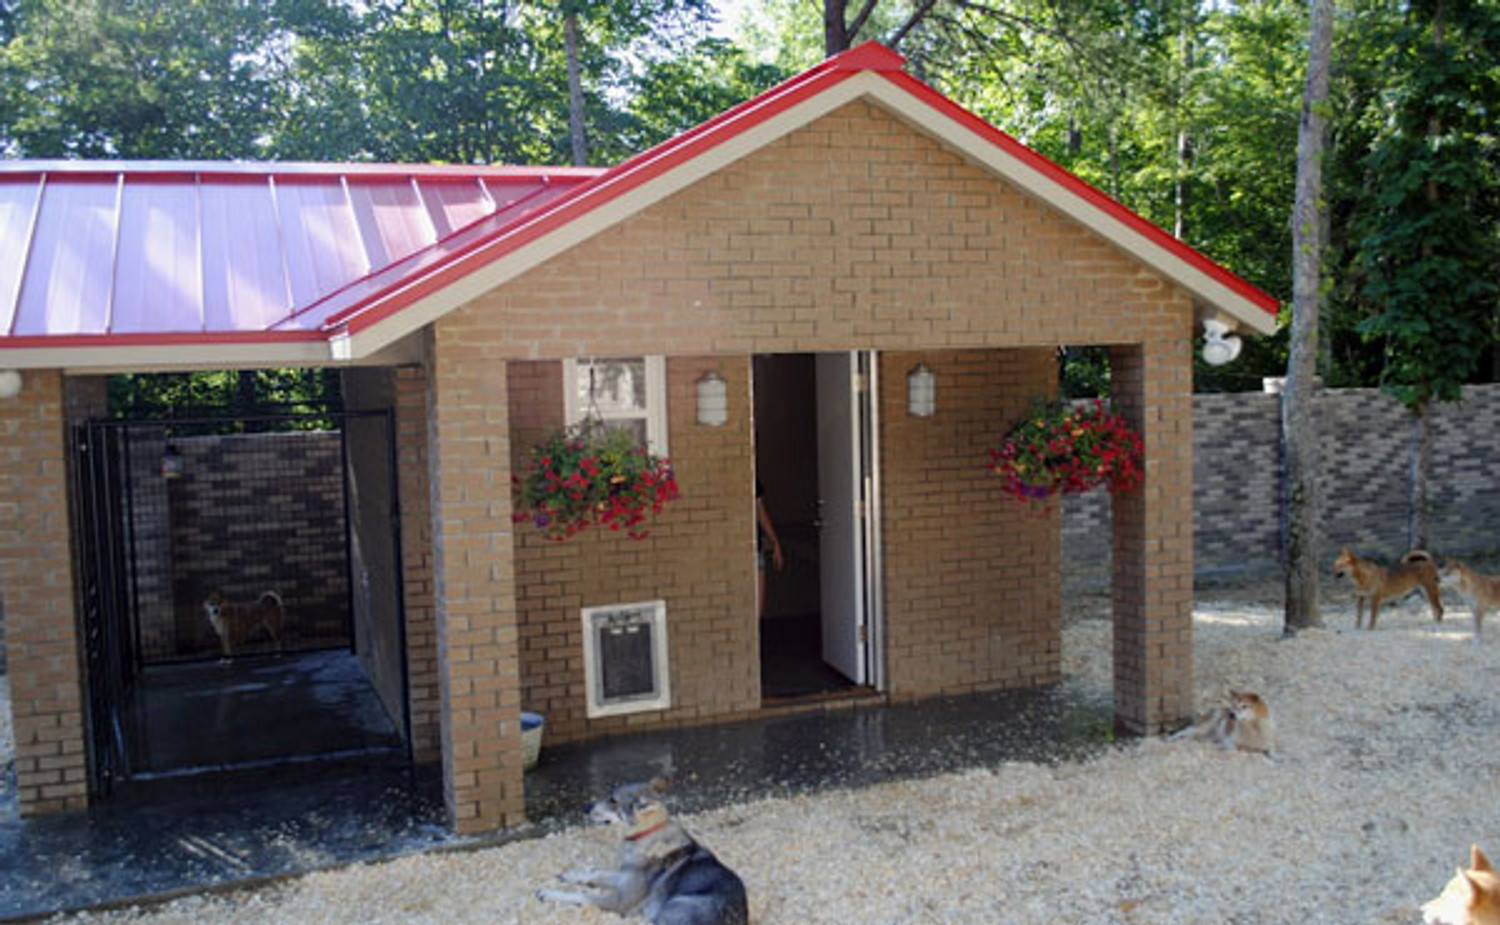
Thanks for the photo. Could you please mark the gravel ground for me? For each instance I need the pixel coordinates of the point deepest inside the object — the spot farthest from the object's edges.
(1388, 767)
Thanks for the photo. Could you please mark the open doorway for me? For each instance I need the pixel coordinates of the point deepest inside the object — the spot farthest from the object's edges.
(813, 465)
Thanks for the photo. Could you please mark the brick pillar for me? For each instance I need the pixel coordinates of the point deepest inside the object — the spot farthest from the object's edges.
(478, 664)
(416, 561)
(36, 579)
(1151, 385)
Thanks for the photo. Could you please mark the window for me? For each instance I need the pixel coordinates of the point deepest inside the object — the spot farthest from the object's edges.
(625, 658)
(624, 392)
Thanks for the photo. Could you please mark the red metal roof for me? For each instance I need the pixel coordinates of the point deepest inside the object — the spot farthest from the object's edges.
(101, 255)
(118, 249)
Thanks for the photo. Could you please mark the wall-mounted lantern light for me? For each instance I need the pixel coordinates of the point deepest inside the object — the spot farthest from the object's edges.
(1219, 346)
(921, 391)
(713, 400)
(10, 384)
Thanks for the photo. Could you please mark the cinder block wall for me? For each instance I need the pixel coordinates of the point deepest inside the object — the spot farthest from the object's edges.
(1366, 439)
(699, 558)
(972, 591)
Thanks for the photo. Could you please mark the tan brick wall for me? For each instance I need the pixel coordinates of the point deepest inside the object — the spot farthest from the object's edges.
(414, 490)
(699, 558)
(475, 609)
(36, 578)
(1153, 538)
(852, 233)
(972, 583)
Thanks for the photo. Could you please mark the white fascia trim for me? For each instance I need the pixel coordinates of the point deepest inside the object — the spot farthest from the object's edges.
(984, 151)
(112, 358)
(432, 307)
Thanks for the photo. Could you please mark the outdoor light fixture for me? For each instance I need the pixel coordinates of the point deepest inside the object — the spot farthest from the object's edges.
(1219, 346)
(921, 392)
(10, 383)
(713, 400)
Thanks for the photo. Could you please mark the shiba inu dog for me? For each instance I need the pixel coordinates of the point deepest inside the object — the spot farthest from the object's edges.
(1244, 724)
(664, 874)
(1480, 592)
(234, 622)
(1376, 583)
(1472, 897)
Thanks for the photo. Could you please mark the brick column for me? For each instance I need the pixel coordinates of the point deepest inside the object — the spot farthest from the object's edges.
(1151, 385)
(478, 664)
(36, 579)
(416, 561)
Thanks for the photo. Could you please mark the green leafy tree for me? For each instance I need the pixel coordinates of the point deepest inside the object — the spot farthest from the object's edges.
(1429, 246)
(137, 78)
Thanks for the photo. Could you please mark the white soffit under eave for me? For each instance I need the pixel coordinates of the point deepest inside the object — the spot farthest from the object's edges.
(866, 85)
(109, 358)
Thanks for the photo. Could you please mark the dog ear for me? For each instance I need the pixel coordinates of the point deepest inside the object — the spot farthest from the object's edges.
(1478, 862)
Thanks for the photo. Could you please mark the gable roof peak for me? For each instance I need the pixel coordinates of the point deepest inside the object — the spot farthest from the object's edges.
(868, 56)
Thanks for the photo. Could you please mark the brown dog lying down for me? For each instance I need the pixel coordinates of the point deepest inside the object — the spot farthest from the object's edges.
(1375, 583)
(1243, 725)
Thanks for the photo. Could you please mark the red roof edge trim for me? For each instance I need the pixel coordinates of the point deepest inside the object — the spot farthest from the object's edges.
(869, 56)
(161, 339)
(591, 195)
(1090, 193)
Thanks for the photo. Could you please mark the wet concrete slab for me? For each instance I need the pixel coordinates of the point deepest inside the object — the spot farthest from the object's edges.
(164, 837)
(714, 766)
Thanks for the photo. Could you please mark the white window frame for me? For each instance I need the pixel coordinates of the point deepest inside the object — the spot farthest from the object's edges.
(657, 613)
(655, 414)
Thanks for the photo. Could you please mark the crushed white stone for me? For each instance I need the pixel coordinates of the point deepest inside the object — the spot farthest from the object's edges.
(1388, 767)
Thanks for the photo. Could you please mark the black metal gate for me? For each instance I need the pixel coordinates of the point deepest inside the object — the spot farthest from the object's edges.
(99, 519)
(168, 510)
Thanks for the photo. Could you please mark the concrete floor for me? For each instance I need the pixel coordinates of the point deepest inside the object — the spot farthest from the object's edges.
(162, 837)
(212, 715)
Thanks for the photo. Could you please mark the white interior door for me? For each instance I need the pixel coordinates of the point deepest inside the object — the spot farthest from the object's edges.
(841, 537)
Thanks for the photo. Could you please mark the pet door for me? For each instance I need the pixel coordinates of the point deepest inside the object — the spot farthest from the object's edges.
(625, 658)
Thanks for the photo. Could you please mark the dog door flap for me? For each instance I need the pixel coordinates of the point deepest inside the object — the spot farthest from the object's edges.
(625, 658)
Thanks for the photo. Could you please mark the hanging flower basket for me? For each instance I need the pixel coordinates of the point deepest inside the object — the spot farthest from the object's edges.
(589, 474)
(1061, 448)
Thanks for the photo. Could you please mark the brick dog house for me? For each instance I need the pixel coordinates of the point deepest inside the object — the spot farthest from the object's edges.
(810, 248)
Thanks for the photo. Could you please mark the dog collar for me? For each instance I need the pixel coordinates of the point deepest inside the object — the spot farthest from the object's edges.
(634, 836)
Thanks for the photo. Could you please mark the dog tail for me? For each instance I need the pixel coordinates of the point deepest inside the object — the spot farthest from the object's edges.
(1418, 555)
(273, 597)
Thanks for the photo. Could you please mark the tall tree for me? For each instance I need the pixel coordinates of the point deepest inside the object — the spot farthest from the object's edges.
(135, 78)
(1299, 421)
(1429, 248)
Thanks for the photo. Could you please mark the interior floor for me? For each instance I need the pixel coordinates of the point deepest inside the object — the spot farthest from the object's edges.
(791, 659)
(206, 715)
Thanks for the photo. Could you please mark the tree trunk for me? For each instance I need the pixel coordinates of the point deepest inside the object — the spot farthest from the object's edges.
(1418, 528)
(1299, 421)
(835, 33)
(575, 90)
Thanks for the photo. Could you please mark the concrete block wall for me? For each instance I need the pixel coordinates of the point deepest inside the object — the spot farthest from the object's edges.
(1366, 441)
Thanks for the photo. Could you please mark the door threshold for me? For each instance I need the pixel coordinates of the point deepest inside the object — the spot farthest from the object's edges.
(859, 695)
